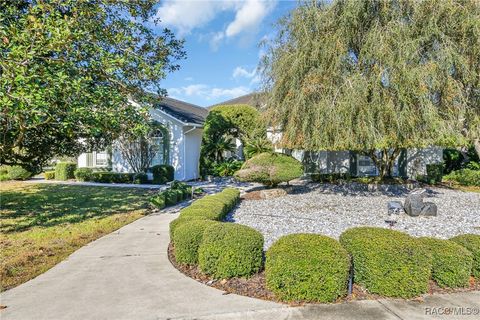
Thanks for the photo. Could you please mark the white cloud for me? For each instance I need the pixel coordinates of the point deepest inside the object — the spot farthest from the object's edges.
(185, 16)
(188, 79)
(249, 16)
(240, 72)
(208, 92)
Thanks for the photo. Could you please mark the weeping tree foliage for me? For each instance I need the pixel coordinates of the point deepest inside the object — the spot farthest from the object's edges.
(376, 76)
(68, 69)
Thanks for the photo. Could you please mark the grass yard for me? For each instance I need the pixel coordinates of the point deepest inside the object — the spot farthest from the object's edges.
(41, 224)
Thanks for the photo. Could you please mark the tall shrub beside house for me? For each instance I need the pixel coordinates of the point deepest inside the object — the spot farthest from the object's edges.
(223, 125)
(65, 170)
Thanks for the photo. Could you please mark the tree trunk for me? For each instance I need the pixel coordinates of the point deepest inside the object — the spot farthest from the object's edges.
(385, 161)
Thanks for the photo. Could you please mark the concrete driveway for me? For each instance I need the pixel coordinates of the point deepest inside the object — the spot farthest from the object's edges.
(127, 275)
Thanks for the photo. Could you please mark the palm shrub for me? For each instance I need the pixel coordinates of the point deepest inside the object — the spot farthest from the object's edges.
(65, 170)
(187, 239)
(270, 169)
(230, 250)
(257, 145)
(472, 243)
(451, 263)
(307, 267)
(388, 262)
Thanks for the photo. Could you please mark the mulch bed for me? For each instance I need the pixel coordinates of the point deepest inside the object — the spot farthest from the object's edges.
(255, 286)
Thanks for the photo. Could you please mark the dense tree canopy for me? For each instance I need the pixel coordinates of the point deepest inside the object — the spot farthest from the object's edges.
(68, 69)
(376, 75)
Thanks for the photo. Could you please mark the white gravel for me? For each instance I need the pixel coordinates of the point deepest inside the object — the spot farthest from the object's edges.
(331, 209)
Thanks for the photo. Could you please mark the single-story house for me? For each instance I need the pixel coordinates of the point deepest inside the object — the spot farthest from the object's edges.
(182, 122)
(410, 163)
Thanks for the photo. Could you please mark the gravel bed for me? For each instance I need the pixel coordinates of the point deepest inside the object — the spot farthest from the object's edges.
(331, 209)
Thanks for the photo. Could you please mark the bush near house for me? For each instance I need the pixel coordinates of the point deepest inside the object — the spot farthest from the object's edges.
(4, 173)
(83, 174)
(49, 175)
(435, 173)
(177, 192)
(187, 240)
(307, 267)
(270, 169)
(472, 243)
(388, 262)
(207, 208)
(230, 250)
(65, 170)
(451, 263)
(139, 178)
(162, 173)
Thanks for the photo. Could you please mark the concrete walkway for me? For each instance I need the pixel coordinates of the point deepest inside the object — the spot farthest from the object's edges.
(127, 275)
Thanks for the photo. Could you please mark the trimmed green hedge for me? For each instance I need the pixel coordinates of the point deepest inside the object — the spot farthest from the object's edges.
(158, 200)
(230, 250)
(112, 177)
(472, 243)
(49, 175)
(187, 239)
(388, 262)
(65, 170)
(83, 174)
(139, 178)
(208, 208)
(174, 224)
(162, 173)
(451, 263)
(270, 169)
(307, 267)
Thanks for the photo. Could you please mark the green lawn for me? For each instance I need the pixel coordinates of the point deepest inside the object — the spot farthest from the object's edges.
(41, 224)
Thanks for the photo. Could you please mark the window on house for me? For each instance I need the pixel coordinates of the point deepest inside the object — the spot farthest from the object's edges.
(101, 159)
(156, 139)
(366, 166)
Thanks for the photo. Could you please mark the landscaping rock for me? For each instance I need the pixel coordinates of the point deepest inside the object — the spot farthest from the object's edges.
(272, 193)
(414, 204)
(429, 209)
(394, 207)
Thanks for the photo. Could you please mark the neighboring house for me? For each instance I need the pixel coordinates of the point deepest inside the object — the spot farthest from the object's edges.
(183, 123)
(411, 163)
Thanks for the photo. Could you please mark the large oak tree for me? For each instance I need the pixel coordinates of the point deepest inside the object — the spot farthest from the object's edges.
(376, 76)
(68, 69)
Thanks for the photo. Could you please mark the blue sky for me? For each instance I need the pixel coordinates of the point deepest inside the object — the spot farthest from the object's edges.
(221, 40)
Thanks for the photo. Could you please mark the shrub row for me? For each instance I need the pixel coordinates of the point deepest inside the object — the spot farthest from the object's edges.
(222, 250)
(177, 192)
(390, 263)
(49, 175)
(87, 174)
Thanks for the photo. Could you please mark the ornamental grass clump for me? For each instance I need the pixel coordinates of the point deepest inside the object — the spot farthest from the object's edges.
(230, 250)
(388, 262)
(472, 243)
(307, 267)
(451, 263)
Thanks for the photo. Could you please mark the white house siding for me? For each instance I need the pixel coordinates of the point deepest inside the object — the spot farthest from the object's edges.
(186, 167)
(417, 160)
(193, 141)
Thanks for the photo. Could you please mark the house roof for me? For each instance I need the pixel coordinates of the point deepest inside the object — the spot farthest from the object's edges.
(253, 99)
(183, 111)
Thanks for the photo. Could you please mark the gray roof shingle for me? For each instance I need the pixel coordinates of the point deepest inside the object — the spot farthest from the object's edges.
(183, 111)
